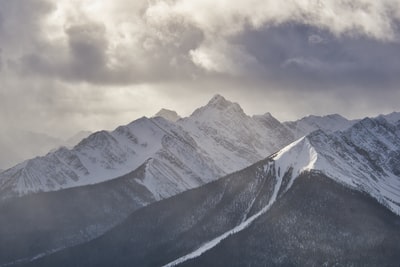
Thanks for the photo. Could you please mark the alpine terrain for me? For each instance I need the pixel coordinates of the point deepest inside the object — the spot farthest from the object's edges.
(326, 199)
(217, 188)
(74, 195)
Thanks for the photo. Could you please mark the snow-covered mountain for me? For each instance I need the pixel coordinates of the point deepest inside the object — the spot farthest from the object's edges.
(302, 206)
(232, 138)
(365, 157)
(168, 114)
(17, 146)
(76, 138)
(329, 124)
(161, 159)
(323, 171)
(215, 140)
(107, 155)
(393, 117)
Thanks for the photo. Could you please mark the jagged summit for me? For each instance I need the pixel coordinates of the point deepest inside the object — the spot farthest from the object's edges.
(270, 121)
(168, 114)
(329, 123)
(219, 105)
(393, 117)
(267, 116)
(331, 116)
(220, 102)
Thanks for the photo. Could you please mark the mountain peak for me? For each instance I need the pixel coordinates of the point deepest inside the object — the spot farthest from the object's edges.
(334, 116)
(218, 105)
(168, 114)
(267, 115)
(221, 103)
(393, 117)
(218, 99)
(268, 120)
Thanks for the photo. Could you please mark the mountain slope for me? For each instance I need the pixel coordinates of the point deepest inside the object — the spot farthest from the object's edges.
(42, 223)
(316, 223)
(158, 233)
(76, 138)
(249, 218)
(281, 209)
(170, 161)
(107, 155)
(233, 139)
(365, 157)
(215, 140)
(393, 117)
(100, 156)
(16, 146)
(329, 124)
(161, 159)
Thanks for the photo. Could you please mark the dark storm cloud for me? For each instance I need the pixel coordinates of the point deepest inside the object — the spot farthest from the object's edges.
(84, 57)
(308, 58)
(88, 58)
(178, 43)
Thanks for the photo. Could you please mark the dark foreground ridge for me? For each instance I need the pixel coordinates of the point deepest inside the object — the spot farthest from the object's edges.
(317, 222)
(39, 223)
(165, 230)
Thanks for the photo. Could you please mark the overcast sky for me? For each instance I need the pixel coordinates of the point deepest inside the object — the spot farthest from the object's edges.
(71, 65)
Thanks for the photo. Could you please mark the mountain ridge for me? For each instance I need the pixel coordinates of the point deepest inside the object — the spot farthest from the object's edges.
(219, 139)
(178, 232)
(364, 157)
(107, 155)
(221, 130)
(168, 114)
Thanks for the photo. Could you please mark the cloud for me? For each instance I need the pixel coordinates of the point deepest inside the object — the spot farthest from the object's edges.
(315, 39)
(223, 57)
(121, 42)
(1, 59)
(78, 64)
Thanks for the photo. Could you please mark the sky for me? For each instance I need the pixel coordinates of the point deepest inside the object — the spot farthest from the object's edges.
(71, 65)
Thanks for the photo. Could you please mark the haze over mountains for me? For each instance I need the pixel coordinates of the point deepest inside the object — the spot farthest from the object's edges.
(116, 197)
(221, 131)
(23, 145)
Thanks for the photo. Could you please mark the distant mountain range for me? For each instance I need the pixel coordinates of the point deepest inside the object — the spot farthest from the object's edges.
(167, 114)
(23, 145)
(218, 188)
(219, 135)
